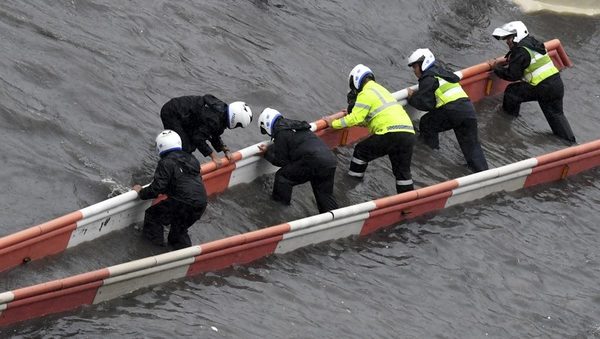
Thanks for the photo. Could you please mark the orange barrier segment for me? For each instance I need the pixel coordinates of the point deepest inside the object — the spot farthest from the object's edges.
(568, 152)
(48, 303)
(235, 255)
(48, 226)
(393, 214)
(244, 238)
(560, 169)
(80, 279)
(36, 247)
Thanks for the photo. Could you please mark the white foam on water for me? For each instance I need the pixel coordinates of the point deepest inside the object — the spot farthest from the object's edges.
(581, 7)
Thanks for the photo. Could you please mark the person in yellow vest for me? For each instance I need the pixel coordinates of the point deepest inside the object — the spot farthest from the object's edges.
(540, 80)
(448, 107)
(391, 129)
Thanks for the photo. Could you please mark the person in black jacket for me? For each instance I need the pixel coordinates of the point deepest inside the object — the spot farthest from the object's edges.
(302, 157)
(198, 119)
(177, 175)
(448, 106)
(529, 62)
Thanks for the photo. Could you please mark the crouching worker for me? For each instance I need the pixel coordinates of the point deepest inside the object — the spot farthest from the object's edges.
(178, 176)
(302, 157)
(202, 119)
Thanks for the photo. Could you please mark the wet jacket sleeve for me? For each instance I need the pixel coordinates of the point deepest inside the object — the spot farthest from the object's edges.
(424, 98)
(217, 143)
(361, 109)
(199, 139)
(278, 153)
(160, 184)
(518, 60)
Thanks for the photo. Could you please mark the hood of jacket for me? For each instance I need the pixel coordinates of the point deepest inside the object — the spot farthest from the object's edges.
(441, 72)
(532, 43)
(289, 124)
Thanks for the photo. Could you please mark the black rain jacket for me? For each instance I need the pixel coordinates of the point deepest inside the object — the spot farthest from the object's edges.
(203, 118)
(294, 141)
(177, 175)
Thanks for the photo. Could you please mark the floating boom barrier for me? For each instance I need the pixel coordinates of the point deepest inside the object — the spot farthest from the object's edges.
(355, 220)
(89, 223)
(119, 212)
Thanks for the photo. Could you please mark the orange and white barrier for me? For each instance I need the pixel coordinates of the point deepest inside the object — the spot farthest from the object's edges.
(89, 223)
(361, 219)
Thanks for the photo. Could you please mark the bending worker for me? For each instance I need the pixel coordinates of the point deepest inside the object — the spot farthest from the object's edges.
(177, 175)
(302, 157)
(448, 107)
(390, 126)
(198, 119)
(529, 62)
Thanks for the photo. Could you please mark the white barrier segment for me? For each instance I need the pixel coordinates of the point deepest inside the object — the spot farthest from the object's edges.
(313, 126)
(402, 94)
(496, 172)
(188, 252)
(116, 286)
(131, 266)
(318, 233)
(153, 261)
(108, 204)
(252, 150)
(509, 182)
(249, 169)
(517, 166)
(112, 211)
(5, 298)
(348, 211)
(310, 221)
(111, 220)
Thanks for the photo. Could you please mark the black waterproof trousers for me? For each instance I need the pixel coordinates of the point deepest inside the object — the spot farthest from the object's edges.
(549, 95)
(169, 117)
(177, 214)
(465, 129)
(296, 173)
(398, 146)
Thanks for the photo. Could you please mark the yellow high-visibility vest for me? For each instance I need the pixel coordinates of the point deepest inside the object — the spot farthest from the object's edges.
(540, 68)
(448, 92)
(378, 109)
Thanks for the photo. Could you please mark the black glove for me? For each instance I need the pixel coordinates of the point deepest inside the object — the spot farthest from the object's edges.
(351, 97)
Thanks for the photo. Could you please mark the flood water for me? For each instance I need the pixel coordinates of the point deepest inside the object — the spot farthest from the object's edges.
(82, 83)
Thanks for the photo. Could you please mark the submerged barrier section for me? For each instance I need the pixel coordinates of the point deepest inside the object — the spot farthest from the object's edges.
(356, 220)
(119, 212)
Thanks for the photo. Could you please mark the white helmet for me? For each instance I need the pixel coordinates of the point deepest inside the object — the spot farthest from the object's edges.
(239, 115)
(422, 55)
(167, 141)
(516, 28)
(357, 74)
(267, 119)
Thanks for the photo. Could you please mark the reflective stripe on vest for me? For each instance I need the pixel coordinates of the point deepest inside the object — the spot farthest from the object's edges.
(382, 113)
(384, 104)
(540, 67)
(448, 92)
